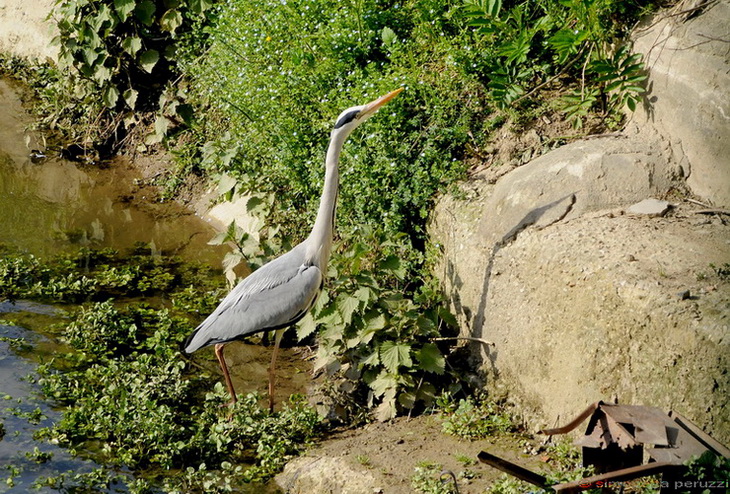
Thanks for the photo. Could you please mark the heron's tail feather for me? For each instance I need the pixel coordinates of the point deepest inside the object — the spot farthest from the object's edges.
(195, 341)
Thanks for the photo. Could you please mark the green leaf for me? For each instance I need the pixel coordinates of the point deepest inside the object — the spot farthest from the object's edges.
(393, 355)
(124, 8)
(383, 383)
(306, 326)
(372, 360)
(171, 20)
(148, 60)
(363, 294)
(430, 359)
(132, 45)
(226, 183)
(111, 95)
(388, 36)
(130, 97)
(219, 239)
(374, 320)
(347, 305)
(145, 11)
(394, 265)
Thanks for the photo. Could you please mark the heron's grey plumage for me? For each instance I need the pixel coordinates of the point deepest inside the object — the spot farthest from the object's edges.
(281, 292)
(276, 295)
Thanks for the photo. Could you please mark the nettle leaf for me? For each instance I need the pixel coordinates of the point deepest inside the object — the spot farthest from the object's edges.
(374, 320)
(383, 383)
(199, 6)
(393, 355)
(430, 359)
(347, 305)
(124, 8)
(149, 59)
(171, 20)
(145, 11)
(132, 45)
(226, 183)
(364, 294)
(394, 265)
(306, 326)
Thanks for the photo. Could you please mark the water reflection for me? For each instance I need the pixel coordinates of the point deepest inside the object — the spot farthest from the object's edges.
(54, 204)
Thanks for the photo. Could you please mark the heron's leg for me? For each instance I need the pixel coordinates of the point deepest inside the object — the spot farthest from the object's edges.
(272, 367)
(224, 367)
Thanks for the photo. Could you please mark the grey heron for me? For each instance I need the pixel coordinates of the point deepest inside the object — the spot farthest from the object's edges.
(277, 295)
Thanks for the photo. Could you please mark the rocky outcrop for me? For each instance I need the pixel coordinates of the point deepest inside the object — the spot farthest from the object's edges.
(585, 301)
(686, 52)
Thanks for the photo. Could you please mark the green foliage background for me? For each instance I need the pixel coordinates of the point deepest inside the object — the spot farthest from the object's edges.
(278, 73)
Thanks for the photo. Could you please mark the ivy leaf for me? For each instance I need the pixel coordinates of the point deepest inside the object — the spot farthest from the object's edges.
(145, 11)
(430, 359)
(171, 20)
(148, 60)
(132, 45)
(124, 8)
(393, 355)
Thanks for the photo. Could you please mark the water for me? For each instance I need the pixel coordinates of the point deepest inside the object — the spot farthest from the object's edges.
(23, 410)
(54, 206)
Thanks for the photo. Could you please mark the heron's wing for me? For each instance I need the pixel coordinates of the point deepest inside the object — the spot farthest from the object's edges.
(276, 295)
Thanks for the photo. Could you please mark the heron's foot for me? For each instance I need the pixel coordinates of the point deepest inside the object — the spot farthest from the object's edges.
(227, 405)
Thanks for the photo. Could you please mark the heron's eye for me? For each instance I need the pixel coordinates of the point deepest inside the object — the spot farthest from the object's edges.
(346, 118)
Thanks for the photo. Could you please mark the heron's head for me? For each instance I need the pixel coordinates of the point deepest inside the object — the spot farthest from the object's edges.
(352, 117)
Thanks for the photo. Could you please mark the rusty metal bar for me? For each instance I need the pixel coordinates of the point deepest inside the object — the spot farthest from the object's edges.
(575, 422)
(710, 442)
(513, 469)
(604, 480)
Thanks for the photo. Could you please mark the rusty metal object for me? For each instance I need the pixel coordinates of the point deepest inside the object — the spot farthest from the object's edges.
(513, 469)
(614, 443)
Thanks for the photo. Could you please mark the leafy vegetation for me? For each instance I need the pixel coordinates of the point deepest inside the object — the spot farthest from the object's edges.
(472, 418)
(429, 478)
(572, 42)
(130, 400)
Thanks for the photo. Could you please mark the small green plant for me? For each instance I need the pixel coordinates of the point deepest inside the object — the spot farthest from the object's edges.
(429, 478)
(474, 419)
(708, 467)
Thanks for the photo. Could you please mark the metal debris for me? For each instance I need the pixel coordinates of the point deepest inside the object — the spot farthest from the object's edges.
(615, 441)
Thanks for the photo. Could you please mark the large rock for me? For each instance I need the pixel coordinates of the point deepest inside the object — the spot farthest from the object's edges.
(688, 62)
(584, 301)
(324, 474)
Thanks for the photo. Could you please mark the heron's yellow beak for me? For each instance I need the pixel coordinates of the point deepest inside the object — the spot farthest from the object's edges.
(374, 106)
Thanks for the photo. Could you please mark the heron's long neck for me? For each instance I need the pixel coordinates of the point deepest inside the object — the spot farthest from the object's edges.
(320, 240)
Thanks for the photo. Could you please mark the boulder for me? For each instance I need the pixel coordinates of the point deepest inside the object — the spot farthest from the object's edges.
(688, 62)
(309, 474)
